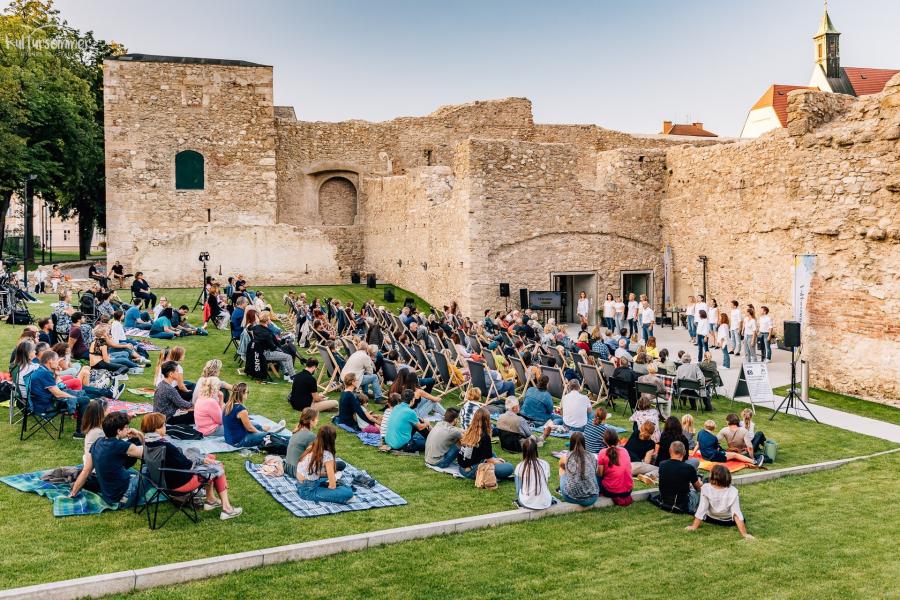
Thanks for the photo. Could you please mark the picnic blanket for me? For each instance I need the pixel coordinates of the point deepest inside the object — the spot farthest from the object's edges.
(284, 490)
(369, 439)
(146, 392)
(732, 465)
(133, 409)
(86, 503)
(451, 470)
(216, 444)
(136, 332)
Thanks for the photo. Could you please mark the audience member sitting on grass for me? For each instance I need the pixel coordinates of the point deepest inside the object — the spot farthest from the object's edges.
(614, 470)
(442, 444)
(76, 338)
(645, 413)
(153, 426)
(578, 473)
(110, 459)
(641, 450)
(302, 436)
(757, 438)
(305, 391)
(687, 428)
(736, 438)
(162, 327)
(350, 409)
(208, 406)
(576, 407)
(92, 425)
(513, 429)
(672, 432)
(532, 477)
(68, 369)
(594, 430)
(176, 355)
(392, 401)
(240, 431)
(405, 431)
(141, 290)
(119, 341)
(212, 368)
(679, 485)
(168, 401)
(180, 322)
(361, 366)
(135, 318)
(710, 449)
(424, 404)
(719, 503)
(99, 355)
(46, 395)
(475, 448)
(316, 472)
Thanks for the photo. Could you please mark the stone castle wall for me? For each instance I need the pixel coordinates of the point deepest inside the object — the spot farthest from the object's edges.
(828, 185)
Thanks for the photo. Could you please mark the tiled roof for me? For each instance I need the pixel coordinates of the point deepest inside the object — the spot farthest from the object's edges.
(776, 97)
(868, 81)
(686, 129)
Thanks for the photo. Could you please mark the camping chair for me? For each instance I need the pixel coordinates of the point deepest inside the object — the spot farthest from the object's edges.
(153, 477)
(659, 397)
(690, 389)
(594, 382)
(234, 338)
(330, 369)
(624, 390)
(478, 378)
(713, 382)
(443, 373)
(41, 421)
(556, 386)
(16, 401)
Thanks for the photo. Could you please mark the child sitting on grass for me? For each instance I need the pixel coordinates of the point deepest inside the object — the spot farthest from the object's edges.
(719, 503)
(392, 401)
(687, 427)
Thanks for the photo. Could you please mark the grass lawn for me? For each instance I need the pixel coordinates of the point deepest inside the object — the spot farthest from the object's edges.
(38, 547)
(856, 406)
(803, 550)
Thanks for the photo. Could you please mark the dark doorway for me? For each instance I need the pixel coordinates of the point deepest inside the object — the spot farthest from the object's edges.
(637, 283)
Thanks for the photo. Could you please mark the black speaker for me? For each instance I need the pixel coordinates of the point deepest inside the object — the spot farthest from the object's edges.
(504, 290)
(792, 334)
(354, 277)
(388, 294)
(370, 280)
(523, 297)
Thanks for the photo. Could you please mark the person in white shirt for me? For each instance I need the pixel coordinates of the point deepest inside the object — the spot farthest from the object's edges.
(575, 407)
(620, 313)
(532, 478)
(749, 328)
(713, 315)
(633, 308)
(361, 365)
(584, 307)
(735, 328)
(40, 277)
(689, 313)
(609, 313)
(702, 326)
(622, 350)
(724, 336)
(719, 503)
(647, 320)
(700, 305)
(765, 333)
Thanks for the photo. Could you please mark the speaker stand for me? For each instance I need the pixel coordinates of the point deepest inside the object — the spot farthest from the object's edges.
(789, 401)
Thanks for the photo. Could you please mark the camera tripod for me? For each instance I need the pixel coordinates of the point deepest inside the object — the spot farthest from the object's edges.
(201, 299)
(789, 401)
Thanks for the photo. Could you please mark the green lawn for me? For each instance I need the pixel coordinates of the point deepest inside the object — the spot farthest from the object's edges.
(810, 545)
(856, 406)
(38, 547)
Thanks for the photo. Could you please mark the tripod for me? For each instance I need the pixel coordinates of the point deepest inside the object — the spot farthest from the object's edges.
(201, 299)
(789, 401)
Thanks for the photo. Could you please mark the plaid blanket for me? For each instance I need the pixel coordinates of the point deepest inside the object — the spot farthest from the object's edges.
(669, 384)
(133, 409)
(284, 490)
(216, 444)
(451, 470)
(86, 503)
(135, 332)
(369, 439)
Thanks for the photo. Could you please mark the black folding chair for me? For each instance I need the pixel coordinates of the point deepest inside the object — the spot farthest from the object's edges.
(233, 340)
(40, 421)
(692, 390)
(624, 390)
(153, 477)
(713, 381)
(659, 398)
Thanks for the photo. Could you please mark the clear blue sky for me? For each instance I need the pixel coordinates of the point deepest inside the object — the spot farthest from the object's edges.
(623, 64)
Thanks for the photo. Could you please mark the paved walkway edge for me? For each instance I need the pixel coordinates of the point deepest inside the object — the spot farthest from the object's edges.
(204, 568)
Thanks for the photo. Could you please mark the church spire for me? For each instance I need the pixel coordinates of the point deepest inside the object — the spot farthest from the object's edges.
(827, 46)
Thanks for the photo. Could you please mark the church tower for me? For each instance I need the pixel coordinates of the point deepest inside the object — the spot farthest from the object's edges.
(827, 47)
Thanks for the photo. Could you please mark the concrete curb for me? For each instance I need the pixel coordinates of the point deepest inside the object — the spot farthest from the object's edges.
(204, 568)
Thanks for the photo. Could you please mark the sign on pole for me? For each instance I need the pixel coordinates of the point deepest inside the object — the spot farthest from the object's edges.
(753, 381)
(804, 265)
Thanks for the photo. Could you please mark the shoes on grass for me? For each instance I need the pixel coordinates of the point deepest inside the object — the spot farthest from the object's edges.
(235, 512)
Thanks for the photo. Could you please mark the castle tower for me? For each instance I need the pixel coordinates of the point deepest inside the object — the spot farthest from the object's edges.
(827, 47)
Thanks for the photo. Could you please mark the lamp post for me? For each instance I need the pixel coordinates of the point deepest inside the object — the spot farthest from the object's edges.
(703, 260)
(28, 229)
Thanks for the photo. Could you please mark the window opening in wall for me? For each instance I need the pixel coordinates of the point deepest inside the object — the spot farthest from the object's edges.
(428, 157)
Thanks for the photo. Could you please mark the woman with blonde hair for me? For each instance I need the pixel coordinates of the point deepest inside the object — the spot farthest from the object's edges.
(212, 368)
(208, 406)
(475, 448)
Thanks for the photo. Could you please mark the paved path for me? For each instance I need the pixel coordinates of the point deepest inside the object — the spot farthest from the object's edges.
(779, 374)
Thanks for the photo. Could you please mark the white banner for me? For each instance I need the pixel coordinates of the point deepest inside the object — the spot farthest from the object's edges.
(804, 265)
(667, 278)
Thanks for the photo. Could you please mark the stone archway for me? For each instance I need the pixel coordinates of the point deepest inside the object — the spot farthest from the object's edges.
(337, 201)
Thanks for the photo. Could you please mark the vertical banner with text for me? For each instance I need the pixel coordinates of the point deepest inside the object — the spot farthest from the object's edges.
(804, 265)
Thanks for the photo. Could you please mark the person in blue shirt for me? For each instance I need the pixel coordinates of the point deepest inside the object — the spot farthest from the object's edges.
(708, 443)
(237, 317)
(47, 396)
(405, 431)
(135, 318)
(162, 327)
(537, 405)
(350, 408)
(239, 430)
(111, 458)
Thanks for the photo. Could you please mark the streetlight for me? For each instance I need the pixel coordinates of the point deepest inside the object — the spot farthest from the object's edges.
(28, 229)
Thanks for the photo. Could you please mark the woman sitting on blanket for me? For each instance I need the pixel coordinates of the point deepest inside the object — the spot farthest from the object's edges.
(92, 424)
(239, 430)
(532, 478)
(350, 410)
(208, 407)
(719, 503)
(153, 426)
(645, 413)
(475, 448)
(70, 373)
(316, 472)
(212, 368)
(708, 443)
(578, 473)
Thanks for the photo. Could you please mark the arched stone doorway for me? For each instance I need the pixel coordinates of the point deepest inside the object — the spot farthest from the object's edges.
(337, 201)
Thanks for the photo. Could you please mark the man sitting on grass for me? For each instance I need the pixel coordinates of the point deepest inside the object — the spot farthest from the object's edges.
(679, 485)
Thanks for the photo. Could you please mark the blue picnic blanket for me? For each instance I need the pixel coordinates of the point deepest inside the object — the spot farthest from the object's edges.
(216, 444)
(369, 439)
(284, 490)
(86, 503)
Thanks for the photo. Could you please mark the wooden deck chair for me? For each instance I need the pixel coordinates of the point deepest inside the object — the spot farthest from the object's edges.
(594, 382)
(388, 371)
(479, 378)
(548, 361)
(490, 360)
(475, 344)
(523, 376)
(556, 386)
(349, 346)
(422, 362)
(507, 341)
(607, 368)
(443, 373)
(329, 369)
